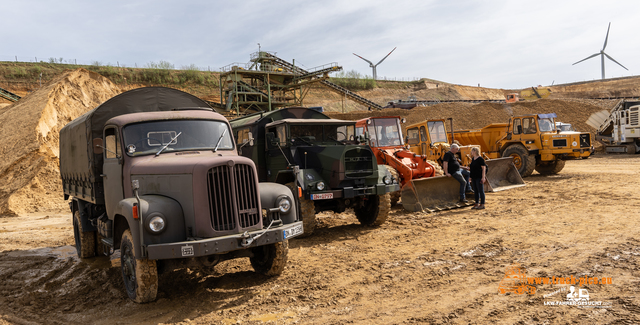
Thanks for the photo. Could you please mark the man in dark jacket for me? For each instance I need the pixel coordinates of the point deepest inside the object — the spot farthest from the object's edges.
(452, 168)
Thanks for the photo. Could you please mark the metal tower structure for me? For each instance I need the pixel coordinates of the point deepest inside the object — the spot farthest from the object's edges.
(602, 54)
(374, 66)
(267, 83)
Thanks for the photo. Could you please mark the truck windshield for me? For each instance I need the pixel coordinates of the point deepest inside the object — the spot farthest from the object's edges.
(310, 133)
(546, 124)
(149, 137)
(437, 132)
(385, 132)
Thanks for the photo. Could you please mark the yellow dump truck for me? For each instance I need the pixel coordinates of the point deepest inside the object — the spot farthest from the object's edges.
(532, 141)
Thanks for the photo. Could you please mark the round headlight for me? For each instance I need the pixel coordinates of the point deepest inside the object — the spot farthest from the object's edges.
(386, 180)
(320, 186)
(284, 204)
(156, 224)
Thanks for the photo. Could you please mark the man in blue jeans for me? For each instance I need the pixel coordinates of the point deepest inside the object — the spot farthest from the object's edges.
(452, 168)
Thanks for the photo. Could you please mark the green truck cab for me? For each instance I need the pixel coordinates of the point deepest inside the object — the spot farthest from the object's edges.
(331, 166)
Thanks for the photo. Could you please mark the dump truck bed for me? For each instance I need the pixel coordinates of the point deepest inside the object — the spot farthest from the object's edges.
(486, 137)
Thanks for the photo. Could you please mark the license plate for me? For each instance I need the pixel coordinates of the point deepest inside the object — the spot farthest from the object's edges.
(323, 196)
(291, 232)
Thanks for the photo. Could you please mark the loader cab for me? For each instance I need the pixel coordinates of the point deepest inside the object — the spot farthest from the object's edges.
(382, 131)
(425, 138)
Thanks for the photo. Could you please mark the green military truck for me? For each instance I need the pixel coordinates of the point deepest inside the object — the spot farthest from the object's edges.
(322, 157)
(155, 173)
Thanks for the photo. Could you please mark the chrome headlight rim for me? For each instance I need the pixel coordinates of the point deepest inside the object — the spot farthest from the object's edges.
(321, 186)
(284, 203)
(156, 223)
(387, 180)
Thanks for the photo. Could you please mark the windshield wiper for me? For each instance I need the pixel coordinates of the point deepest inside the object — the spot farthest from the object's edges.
(166, 145)
(219, 140)
(304, 140)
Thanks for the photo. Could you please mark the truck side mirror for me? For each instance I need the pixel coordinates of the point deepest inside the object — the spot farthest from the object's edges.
(250, 139)
(97, 146)
(272, 141)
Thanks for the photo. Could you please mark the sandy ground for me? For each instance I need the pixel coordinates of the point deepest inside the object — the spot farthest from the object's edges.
(417, 268)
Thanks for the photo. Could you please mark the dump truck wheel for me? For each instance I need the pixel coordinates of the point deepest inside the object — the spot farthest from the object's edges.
(140, 275)
(85, 240)
(271, 259)
(308, 212)
(524, 162)
(550, 168)
(395, 196)
(375, 210)
(437, 167)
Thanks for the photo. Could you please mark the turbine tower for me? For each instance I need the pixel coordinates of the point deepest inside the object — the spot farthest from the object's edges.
(375, 76)
(602, 54)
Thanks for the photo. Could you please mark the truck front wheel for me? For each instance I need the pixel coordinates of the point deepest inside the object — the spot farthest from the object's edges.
(270, 259)
(140, 275)
(551, 167)
(85, 240)
(524, 162)
(308, 212)
(395, 196)
(375, 210)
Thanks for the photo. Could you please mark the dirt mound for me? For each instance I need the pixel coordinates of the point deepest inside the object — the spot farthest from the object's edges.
(467, 116)
(30, 130)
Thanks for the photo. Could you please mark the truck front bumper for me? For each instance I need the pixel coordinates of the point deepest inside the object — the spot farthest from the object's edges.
(350, 192)
(222, 244)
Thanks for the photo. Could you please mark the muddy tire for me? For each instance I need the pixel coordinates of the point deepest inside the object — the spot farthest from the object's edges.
(271, 259)
(437, 167)
(375, 210)
(524, 162)
(85, 240)
(308, 214)
(550, 168)
(140, 275)
(395, 196)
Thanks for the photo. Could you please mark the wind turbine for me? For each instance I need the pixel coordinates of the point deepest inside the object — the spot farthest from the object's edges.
(375, 77)
(602, 54)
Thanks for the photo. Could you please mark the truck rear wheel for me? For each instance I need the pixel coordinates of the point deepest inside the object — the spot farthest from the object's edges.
(375, 210)
(550, 168)
(85, 240)
(395, 196)
(271, 259)
(524, 162)
(140, 275)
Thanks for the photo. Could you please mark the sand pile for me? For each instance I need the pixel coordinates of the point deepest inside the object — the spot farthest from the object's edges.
(29, 175)
(467, 116)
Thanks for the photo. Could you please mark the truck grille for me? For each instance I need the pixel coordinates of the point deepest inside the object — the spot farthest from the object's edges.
(560, 143)
(585, 141)
(358, 163)
(233, 197)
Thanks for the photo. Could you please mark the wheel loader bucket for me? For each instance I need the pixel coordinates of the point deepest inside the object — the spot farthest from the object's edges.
(502, 175)
(432, 194)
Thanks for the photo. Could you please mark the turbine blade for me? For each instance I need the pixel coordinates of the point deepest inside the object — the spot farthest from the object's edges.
(606, 38)
(586, 58)
(364, 59)
(387, 55)
(610, 58)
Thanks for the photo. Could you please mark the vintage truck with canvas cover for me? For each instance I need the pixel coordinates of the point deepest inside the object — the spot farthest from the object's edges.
(154, 172)
(337, 170)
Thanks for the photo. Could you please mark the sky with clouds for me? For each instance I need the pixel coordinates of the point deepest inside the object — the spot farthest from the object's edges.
(494, 43)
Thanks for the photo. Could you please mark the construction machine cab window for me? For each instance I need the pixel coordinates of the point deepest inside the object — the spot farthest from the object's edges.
(517, 126)
(437, 132)
(529, 125)
(413, 136)
(545, 124)
(385, 132)
(423, 134)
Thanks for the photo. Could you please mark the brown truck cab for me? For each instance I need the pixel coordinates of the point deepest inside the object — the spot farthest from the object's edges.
(165, 186)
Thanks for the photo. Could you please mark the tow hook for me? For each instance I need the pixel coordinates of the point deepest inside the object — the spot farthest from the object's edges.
(248, 240)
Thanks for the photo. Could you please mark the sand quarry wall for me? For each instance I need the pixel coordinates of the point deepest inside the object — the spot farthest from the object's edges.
(468, 116)
(29, 133)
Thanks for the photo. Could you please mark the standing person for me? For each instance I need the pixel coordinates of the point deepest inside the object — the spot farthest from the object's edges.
(452, 168)
(478, 171)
